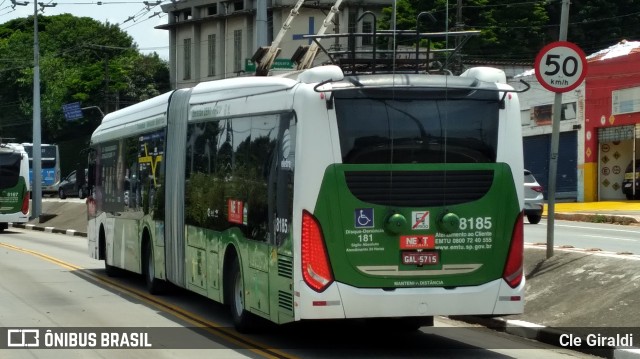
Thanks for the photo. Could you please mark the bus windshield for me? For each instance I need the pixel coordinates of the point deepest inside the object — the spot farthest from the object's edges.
(417, 127)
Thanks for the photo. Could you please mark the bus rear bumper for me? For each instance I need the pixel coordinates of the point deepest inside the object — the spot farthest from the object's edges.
(16, 218)
(344, 301)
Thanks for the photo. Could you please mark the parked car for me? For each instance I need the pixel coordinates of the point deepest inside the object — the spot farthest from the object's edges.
(628, 182)
(70, 187)
(533, 198)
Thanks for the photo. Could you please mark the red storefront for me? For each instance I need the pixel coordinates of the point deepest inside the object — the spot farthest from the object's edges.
(612, 119)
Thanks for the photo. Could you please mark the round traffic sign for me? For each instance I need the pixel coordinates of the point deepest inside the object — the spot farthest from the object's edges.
(560, 66)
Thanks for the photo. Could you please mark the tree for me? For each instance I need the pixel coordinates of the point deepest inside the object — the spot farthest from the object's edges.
(510, 29)
(81, 60)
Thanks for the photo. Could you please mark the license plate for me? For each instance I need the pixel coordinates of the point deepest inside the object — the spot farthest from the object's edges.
(420, 258)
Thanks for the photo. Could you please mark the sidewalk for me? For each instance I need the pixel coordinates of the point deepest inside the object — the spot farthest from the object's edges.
(618, 212)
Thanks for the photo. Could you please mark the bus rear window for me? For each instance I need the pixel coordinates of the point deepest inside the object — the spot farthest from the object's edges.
(417, 126)
(9, 169)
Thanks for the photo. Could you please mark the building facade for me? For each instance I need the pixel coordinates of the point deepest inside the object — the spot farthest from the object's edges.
(536, 107)
(599, 127)
(612, 119)
(213, 39)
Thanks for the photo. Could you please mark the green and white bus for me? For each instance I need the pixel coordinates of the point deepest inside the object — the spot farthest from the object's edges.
(14, 185)
(318, 195)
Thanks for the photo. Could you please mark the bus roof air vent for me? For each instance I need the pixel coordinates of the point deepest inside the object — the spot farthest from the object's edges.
(487, 74)
(321, 74)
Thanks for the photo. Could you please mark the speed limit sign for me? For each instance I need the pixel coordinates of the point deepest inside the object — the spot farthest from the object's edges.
(560, 66)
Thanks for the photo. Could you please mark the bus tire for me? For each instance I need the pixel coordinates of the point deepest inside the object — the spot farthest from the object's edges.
(3, 226)
(244, 321)
(154, 285)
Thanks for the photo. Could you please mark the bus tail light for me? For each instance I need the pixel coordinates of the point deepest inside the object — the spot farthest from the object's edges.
(513, 269)
(25, 203)
(316, 270)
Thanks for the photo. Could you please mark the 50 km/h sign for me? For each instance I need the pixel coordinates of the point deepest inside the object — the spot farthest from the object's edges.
(561, 66)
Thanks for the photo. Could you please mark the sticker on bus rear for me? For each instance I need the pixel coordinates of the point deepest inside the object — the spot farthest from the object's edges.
(363, 218)
(420, 220)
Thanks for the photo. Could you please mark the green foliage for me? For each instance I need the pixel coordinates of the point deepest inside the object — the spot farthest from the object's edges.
(81, 60)
(515, 30)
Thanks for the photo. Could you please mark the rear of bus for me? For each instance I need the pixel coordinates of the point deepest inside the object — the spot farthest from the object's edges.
(14, 185)
(412, 205)
(50, 168)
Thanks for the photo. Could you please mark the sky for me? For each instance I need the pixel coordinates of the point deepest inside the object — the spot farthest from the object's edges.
(140, 26)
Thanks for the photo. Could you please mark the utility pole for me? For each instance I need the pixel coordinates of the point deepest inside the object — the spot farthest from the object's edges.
(36, 190)
(555, 139)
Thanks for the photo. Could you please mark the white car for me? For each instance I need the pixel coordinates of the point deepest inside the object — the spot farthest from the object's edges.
(533, 198)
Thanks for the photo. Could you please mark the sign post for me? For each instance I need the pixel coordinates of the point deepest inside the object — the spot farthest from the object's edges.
(560, 67)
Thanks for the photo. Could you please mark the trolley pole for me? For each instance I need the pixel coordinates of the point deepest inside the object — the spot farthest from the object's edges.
(555, 139)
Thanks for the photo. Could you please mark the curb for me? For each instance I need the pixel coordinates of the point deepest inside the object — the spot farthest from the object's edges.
(69, 232)
(596, 218)
(547, 335)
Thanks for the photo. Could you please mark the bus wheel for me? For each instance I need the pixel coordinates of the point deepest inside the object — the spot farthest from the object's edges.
(244, 321)
(3, 226)
(154, 285)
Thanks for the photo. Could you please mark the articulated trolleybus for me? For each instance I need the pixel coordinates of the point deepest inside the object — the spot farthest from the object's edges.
(319, 195)
(14, 184)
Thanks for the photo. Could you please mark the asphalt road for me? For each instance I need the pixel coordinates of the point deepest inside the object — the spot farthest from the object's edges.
(44, 283)
(585, 235)
(41, 287)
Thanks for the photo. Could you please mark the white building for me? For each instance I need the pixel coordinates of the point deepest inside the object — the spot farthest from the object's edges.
(536, 106)
(214, 39)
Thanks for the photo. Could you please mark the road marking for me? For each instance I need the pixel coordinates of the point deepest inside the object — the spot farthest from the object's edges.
(599, 229)
(616, 238)
(215, 329)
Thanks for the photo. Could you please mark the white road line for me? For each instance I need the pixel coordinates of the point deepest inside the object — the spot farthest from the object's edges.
(600, 229)
(605, 237)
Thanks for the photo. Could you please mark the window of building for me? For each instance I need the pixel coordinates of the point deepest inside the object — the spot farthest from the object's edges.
(237, 51)
(367, 28)
(212, 10)
(187, 14)
(352, 26)
(238, 5)
(212, 55)
(187, 59)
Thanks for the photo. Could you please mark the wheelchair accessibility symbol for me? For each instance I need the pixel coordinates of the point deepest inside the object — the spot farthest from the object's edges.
(363, 218)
